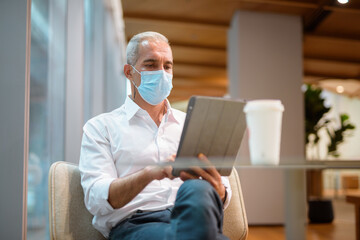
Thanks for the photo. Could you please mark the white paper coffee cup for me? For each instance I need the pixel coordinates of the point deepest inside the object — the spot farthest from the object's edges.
(264, 119)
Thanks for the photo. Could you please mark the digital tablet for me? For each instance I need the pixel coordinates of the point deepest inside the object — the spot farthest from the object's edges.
(214, 127)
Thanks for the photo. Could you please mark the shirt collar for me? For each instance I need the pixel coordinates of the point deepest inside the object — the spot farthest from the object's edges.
(170, 112)
(132, 108)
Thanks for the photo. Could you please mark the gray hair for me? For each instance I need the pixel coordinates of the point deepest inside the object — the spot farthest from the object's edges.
(132, 48)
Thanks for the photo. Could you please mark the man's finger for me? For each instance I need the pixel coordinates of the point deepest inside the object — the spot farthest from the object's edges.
(206, 176)
(209, 168)
(168, 172)
(171, 158)
(186, 176)
(201, 172)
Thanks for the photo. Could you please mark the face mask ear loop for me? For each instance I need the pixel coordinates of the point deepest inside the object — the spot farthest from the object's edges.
(133, 81)
(134, 91)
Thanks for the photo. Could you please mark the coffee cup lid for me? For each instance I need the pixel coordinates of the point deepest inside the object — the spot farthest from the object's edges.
(264, 104)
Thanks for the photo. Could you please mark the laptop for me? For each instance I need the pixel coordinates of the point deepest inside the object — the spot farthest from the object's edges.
(215, 127)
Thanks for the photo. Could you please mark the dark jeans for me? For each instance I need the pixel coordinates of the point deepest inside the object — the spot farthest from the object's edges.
(197, 214)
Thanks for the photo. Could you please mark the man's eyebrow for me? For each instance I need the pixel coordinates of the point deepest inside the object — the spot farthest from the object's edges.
(150, 60)
(169, 62)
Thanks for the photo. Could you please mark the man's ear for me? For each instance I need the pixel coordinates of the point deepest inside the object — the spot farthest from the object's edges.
(128, 71)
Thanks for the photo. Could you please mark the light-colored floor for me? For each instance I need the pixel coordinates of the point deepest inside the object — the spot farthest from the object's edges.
(342, 228)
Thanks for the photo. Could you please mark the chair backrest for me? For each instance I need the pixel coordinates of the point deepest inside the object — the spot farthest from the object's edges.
(235, 220)
(70, 220)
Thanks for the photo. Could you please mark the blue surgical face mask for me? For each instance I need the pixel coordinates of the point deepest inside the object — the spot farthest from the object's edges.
(155, 86)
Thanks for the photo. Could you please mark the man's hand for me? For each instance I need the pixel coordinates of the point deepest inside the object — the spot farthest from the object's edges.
(208, 173)
(123, 190)
(161, 171)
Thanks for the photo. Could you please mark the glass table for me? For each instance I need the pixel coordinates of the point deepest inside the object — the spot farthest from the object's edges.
(295, 205)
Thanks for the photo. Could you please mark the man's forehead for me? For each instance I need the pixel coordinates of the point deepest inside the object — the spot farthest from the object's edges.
(153, 43)
(147, 49)
(145, 43)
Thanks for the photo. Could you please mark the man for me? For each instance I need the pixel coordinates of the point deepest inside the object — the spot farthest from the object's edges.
(129, 193)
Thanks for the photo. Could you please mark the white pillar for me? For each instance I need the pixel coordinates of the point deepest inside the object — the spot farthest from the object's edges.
(265, 61)
(74, 120)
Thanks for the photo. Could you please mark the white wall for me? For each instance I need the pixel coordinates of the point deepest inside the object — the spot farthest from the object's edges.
(265, 61)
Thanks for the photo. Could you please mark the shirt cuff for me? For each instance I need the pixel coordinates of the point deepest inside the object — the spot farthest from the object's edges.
(227, 200)
(100, 192)
(226, 183)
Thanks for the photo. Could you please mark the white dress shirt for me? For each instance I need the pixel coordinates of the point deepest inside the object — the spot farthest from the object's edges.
(122, 142)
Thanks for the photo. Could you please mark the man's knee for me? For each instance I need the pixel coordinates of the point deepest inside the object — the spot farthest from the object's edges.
(197, 210)
(196, 186)
(201, 191)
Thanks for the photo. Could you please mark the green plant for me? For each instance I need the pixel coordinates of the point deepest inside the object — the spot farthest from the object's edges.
(337, 136)
(314, 112)
(315, 120)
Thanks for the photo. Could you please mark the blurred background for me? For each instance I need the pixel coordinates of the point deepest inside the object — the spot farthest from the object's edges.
(78, 53)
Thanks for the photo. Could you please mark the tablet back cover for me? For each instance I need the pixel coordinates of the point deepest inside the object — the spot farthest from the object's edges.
(214, 127)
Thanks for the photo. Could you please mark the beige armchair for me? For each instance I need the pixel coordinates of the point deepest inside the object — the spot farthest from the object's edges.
(70, 220)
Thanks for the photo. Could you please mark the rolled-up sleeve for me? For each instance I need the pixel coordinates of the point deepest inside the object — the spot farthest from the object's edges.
(97, 169)
(225, 181)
